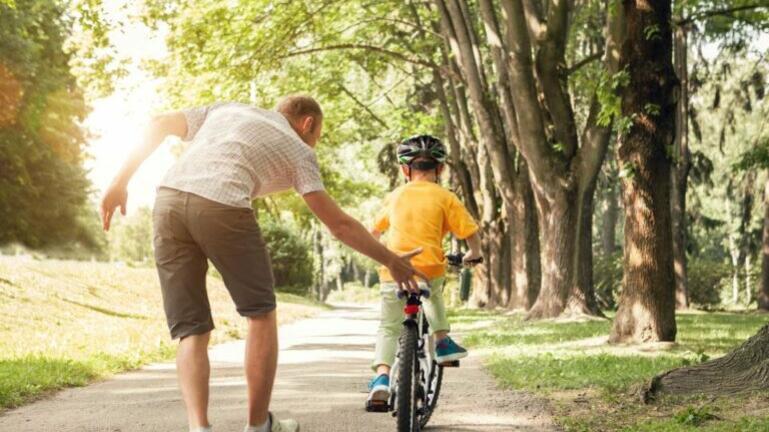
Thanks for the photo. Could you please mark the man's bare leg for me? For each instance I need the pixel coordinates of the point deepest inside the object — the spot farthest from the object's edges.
(261, 364)
(194, 370)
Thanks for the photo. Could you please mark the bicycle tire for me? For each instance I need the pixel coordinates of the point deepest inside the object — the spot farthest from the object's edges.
(434, 401)
(407, 381)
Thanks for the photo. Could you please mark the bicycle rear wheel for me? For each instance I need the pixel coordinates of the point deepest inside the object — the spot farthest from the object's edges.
(408, 381)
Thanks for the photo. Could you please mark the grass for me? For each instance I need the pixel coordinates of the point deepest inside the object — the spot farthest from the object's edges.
(594, 386)
(68, 323)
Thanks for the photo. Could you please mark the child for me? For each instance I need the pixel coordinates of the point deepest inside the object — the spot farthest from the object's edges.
(418, 215)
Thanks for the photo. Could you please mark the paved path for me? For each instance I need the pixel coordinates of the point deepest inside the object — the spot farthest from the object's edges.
(321, 382)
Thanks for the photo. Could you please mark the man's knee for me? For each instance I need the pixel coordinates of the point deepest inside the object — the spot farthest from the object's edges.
(261, 318)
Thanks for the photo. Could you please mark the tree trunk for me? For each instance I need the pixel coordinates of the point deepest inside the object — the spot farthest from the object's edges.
(681, 169)
(557, 219)
(609, 221)
(748, 281)
(763, 294)
(582, 298)
(524, 253)
(646, 310)
(744, 369)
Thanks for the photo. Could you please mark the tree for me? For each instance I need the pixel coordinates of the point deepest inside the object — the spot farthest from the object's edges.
(43, 185)
(719, 20)
(131, 239)
(522, 106)
(758, 158)
(646, 310)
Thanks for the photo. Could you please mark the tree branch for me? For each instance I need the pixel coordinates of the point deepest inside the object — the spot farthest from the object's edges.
(366, 47)
(362, 105)
(717, 12)
(589, 59)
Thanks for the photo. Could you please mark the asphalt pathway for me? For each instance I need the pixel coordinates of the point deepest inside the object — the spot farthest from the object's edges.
(324, 368)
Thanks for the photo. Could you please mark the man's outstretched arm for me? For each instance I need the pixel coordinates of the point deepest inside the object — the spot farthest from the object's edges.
(352, 233)
(117, 194)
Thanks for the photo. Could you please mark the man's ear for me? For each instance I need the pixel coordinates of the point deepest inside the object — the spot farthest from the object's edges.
(307, 124)
(405, 170)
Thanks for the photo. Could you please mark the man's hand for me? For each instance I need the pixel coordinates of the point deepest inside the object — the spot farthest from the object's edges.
(160, 127)
(353, 234)
(404, 273)
(115, 196)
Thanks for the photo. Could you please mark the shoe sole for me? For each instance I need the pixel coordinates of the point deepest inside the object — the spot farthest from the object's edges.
(450, 357)
(380, 394)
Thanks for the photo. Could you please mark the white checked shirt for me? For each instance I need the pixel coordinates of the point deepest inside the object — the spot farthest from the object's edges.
(240, 152)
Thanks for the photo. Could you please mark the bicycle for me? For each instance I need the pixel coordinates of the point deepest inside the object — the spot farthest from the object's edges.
(416, 375)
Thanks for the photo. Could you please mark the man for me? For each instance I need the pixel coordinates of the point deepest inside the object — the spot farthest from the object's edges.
(203, 212)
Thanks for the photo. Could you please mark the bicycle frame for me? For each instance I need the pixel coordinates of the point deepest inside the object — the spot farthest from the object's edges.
(427, 368)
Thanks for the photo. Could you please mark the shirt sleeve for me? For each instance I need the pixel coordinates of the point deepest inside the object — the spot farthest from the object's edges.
(307, 177)
(459, 220)
(195, 118)
(382, 221)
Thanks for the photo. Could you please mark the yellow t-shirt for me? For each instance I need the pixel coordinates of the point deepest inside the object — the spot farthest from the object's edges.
(419, 214)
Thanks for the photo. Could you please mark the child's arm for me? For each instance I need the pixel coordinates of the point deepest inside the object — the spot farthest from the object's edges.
(376, 233)
(474, 243)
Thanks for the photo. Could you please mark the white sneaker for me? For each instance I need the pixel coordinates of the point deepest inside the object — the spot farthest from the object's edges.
(283, 425)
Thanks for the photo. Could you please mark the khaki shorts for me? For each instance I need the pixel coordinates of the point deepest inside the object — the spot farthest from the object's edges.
(190, 230)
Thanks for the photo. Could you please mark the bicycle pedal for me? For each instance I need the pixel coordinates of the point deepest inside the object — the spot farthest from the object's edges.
(377, 406)
(452, 364)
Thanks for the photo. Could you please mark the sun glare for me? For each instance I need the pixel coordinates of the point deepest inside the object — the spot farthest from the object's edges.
(117, 122)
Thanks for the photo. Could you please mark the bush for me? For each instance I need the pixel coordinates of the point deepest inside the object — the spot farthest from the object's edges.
(706, 280)
(290, 254)
(607, 279)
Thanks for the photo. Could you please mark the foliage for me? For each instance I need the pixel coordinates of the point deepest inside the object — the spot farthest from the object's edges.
(756, 157)
(694, 416)
(291, 260)
(607, 273)
(707, 279)
(130, 238)
(55, 310)
(43, 185)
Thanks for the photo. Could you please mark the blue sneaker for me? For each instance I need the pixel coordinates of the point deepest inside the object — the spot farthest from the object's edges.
(379, 394)
(448, 351)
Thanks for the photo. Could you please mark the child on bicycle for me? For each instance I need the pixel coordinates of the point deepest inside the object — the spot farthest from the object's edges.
(419, 214)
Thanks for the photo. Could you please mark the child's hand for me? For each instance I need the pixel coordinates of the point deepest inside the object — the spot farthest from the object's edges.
(471, 258)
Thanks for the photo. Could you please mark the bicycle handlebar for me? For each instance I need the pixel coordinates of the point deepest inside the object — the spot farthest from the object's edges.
(456, 260)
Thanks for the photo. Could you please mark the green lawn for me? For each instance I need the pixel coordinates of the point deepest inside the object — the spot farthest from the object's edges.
(67, 323)
(593, 386)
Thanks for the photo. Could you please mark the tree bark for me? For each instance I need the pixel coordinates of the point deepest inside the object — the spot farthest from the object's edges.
(681, 169)
(609, 221)
(744, 369)
(646, 310)
(524, 252)
(557, 220)
(763, 294)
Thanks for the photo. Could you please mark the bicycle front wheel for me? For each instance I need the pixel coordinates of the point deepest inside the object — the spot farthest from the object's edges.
(407, 381)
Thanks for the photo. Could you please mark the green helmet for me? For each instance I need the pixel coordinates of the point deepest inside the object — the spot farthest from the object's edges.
(421, 145)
